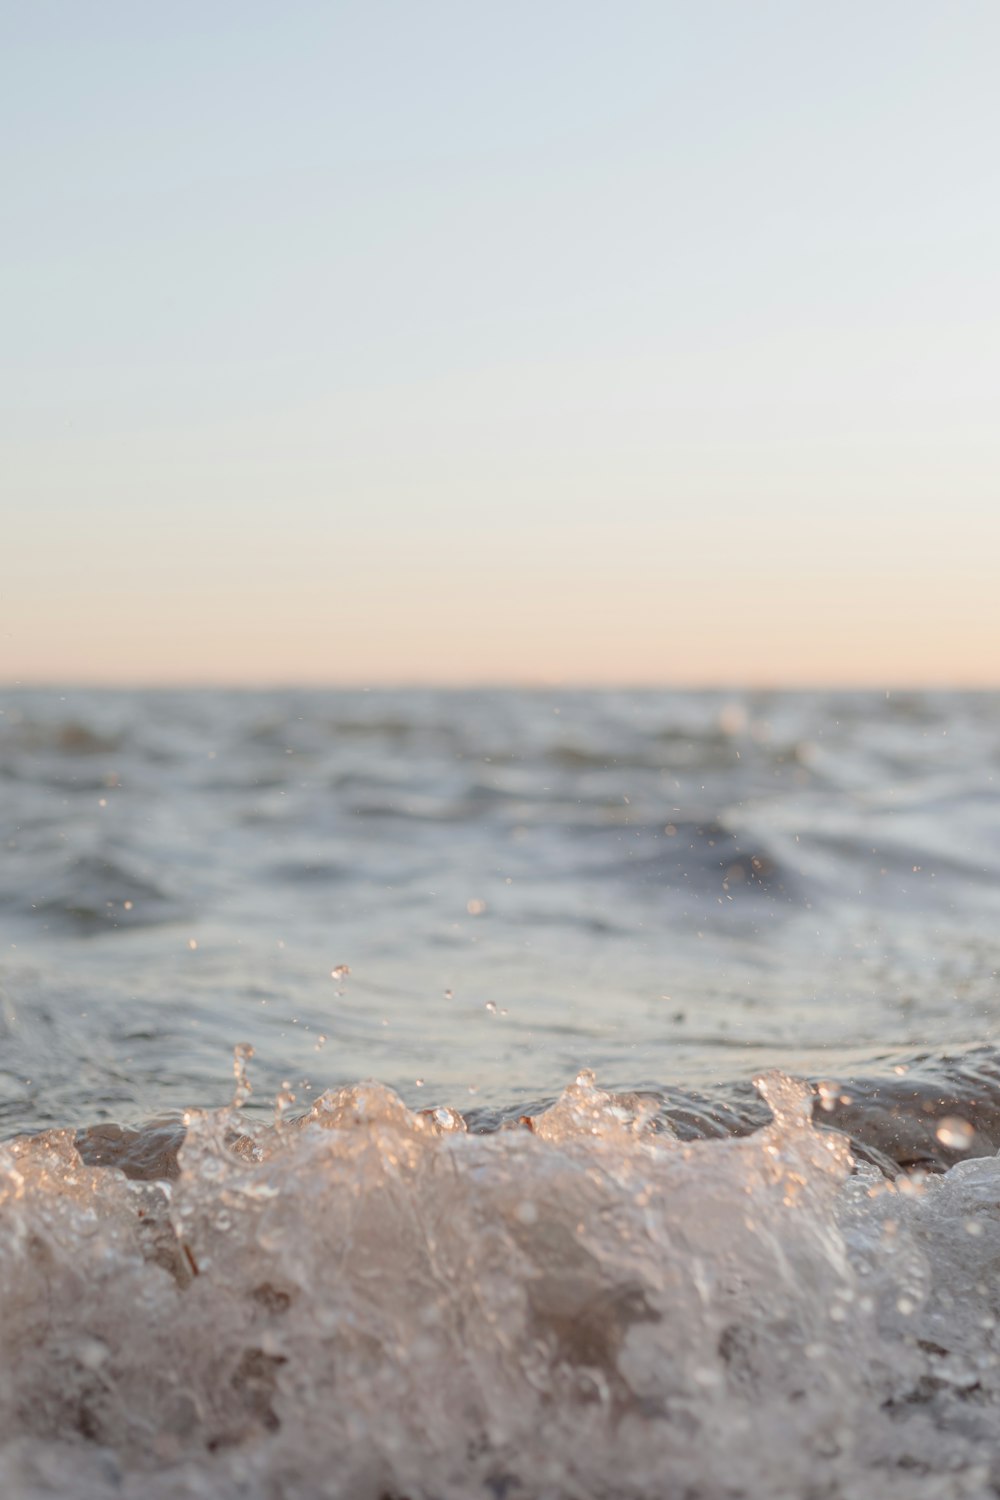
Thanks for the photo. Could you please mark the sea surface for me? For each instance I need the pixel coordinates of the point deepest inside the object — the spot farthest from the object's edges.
(516, 1094)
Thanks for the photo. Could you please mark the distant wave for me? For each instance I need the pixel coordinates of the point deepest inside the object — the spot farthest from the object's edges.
(97, 890)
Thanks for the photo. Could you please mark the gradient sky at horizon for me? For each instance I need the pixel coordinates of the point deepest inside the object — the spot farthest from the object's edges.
(536, 343)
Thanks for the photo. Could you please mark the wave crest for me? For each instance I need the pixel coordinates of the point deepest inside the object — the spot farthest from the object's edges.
(371, 1302)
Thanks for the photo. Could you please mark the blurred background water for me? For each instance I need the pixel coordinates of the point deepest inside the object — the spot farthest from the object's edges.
(472, 894)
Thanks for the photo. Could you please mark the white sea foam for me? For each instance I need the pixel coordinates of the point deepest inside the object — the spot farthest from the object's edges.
(373, 1303)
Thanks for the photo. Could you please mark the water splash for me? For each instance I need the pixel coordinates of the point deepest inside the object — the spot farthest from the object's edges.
(369, 1301)
(242, 1054)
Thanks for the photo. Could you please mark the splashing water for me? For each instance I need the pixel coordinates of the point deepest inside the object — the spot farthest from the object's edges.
(369, 1302)
(242, 1054)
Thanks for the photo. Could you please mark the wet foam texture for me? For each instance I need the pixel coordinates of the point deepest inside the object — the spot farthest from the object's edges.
(371, 1303)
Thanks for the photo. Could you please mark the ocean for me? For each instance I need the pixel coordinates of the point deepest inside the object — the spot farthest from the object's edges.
(499, 1093)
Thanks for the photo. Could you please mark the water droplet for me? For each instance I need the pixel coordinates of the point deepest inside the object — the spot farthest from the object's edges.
(955, 1132)
(242, 1053)
(491, 1008)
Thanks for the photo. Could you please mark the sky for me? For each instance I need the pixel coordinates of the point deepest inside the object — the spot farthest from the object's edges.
(551, 341)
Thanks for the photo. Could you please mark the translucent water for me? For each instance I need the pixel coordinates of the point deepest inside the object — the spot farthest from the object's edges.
(369, 1302)
(257, 1277)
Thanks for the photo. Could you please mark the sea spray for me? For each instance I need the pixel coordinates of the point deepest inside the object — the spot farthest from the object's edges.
(367, 1302)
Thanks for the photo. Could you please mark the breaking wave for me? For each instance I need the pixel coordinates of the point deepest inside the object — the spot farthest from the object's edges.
(369, 1302)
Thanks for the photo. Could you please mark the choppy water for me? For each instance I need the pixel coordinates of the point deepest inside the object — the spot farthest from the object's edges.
(650, 1288)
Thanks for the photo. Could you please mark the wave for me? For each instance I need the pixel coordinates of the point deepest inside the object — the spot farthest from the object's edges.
(69, 737)
(367, 1302)
(98, 890)
(891, 1119)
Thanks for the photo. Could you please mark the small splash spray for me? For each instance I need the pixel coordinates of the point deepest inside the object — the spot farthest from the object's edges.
(242, 1053)
(283, 1102)
(788, 1099)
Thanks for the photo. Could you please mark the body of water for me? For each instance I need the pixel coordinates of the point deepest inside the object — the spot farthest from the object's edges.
(493, 1205)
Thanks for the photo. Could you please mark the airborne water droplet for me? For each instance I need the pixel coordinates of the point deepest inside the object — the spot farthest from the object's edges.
(955, 1132)
(283, 1102)
(242, 1053)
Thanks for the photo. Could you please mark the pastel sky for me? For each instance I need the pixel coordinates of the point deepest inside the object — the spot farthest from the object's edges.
(541, 341)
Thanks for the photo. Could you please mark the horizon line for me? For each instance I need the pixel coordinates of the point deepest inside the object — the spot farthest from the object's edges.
(510, 685)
